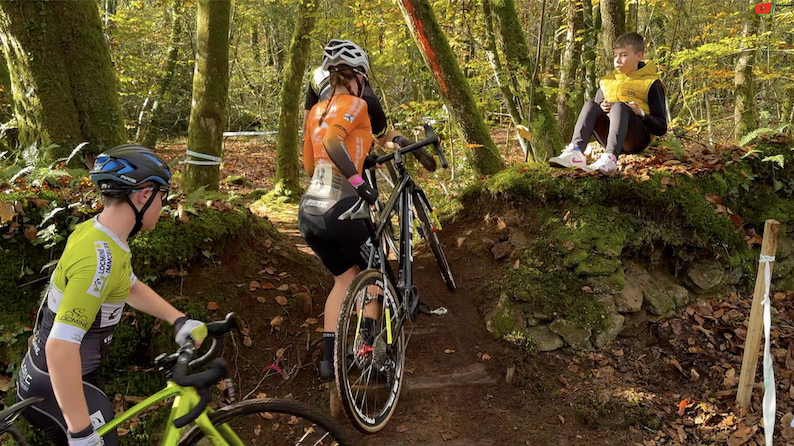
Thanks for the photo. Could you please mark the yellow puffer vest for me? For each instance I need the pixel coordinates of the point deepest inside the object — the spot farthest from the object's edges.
(630, 87)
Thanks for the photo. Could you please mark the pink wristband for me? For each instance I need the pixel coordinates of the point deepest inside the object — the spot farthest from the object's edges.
(356, 180)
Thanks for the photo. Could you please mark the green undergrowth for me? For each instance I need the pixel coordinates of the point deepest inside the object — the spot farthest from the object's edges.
(614, 413)
(580, 230)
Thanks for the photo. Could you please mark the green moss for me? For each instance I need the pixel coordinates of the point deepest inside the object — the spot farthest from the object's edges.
(501, 321)
(597, 266)
(575, 257)
(556, 293)
(611, 284)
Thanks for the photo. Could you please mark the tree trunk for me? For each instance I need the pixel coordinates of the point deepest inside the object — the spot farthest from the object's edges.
(591, 48)
(288, 165)
(570, 99)
(787, 111)
(501, 78)
(210, 94)
(546, 140)
(152, 129)
(62, 77)
(552, 67)
(255, 43)
(481, 150)
(744, 81)
(613, 24)
(6, 96)
(632, 16)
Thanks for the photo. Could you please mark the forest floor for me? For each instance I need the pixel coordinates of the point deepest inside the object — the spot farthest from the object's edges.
(669, 383)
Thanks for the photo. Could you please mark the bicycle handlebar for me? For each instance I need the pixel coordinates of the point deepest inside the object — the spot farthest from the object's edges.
(181, 362)
(432, 139)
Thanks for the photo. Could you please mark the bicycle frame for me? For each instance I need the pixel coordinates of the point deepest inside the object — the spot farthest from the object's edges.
(403, 193)
(184, 399)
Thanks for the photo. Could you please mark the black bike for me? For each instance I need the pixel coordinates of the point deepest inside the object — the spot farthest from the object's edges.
(370, 339)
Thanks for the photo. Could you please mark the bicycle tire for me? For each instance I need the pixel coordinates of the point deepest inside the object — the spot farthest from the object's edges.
(435, 245)
(346, 359)
(15, 434)
(254, 413)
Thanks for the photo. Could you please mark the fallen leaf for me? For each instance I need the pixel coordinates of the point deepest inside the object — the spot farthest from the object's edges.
(4, 383)
(694, 375)
(486, 357)
(517, 264)
(276, 321)
(310, 321)
(253, 286)
(567, 216)
(261, 299)
(713, 199)
(284, 287)
(280, 352)
(449, 350)
(568, 245)
(7, 212)
(270, 270)
(31, 232)
(170, 272)
(212, 306)
(587, 289)
(267, 415)
(247, 341)
(245, 330)
(293, 420)
(282, 300)
(731, 380)
(258, 430)
(562, 420)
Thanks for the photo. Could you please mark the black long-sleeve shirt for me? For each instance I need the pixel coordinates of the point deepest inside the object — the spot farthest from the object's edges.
(656, 120)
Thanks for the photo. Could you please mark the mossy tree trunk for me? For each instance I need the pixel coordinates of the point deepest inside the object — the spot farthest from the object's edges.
(482, 153)
(288, 165)
(570, 99)
(62, 77)
(546, 140)
(613, 24)
(210, 93)
(501, 77)
(592, 25)
(6, 96)
(744, 81)
(553, 64)
(151, 131)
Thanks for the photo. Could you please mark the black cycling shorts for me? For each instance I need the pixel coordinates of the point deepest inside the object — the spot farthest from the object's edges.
(340, 244)
(47, 415)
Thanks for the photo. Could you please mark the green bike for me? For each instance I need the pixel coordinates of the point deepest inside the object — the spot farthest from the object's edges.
(262, 421)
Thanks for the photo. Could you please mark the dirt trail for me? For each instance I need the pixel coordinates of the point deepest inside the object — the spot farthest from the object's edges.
(455, 391)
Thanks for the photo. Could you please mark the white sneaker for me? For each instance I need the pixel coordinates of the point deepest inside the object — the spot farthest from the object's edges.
(606, 164)
(570, 157)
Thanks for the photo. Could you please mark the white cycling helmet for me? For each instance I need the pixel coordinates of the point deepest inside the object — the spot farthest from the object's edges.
(345, 52)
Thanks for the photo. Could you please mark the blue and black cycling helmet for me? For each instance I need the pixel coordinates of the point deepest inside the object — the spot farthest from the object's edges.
(124, 168)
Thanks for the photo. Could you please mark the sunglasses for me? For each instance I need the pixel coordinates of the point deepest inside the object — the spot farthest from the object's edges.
(163, 189)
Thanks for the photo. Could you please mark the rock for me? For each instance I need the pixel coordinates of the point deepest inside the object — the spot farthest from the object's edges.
(662, 283)
(785, 284)
(544, 339)
(630, 298)
(597, 266)
(608, 301)
(613, 284)
(707, 275)
(517, 238)
(783, 267)
(575, 257)
(501, 320)
(611, 245)
(658, 302)
(577, 337)
(637, 319)
(501, 250)
(785, 247)
(612, 328)
(733, 275)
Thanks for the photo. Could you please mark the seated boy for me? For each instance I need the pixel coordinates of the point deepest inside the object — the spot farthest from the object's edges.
(628, 108)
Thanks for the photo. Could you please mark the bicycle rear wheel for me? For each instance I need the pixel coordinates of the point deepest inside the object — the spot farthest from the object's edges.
(370, 353)
(429, 234)
(273, 422)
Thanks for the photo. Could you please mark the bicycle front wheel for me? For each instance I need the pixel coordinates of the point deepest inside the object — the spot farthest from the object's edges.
(370, 352)
(273, 422)
(429, 234)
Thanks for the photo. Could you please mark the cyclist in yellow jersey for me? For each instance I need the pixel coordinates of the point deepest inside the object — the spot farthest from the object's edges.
(86, 297)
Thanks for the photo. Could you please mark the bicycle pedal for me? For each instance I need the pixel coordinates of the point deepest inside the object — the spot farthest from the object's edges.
(424, 309)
